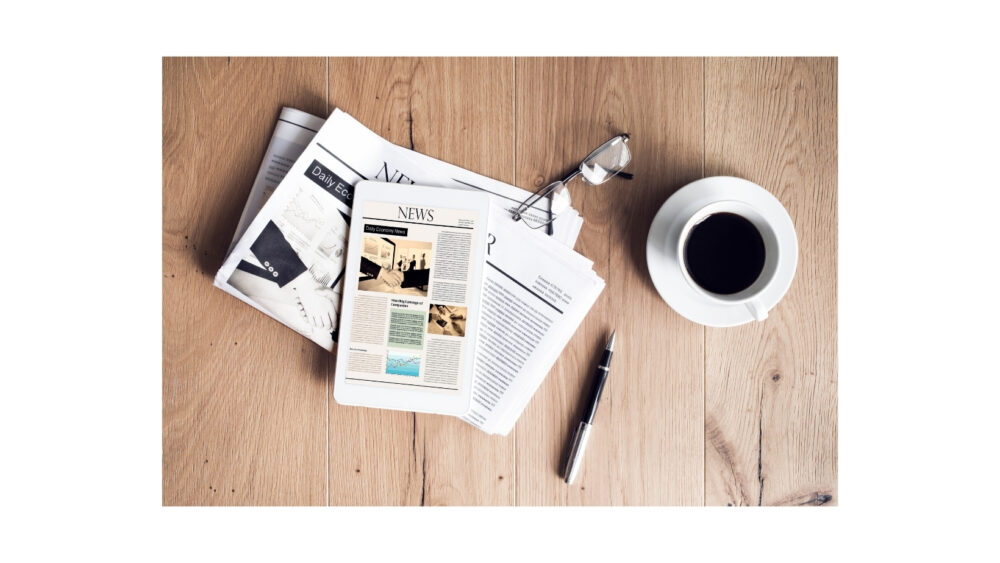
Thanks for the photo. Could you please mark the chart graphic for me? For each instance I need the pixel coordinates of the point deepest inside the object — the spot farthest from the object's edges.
(402, 364)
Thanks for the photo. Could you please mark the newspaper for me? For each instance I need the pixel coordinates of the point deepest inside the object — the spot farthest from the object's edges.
(289, 260)
(535, 295)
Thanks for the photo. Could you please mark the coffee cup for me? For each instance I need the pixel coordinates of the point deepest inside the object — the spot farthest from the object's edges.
(729, 254)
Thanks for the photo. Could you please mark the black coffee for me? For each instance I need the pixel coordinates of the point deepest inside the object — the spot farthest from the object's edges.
(724, 253)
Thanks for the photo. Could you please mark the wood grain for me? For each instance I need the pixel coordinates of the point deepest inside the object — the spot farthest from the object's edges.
(771, 388)
(741, 416)
(244, 409)
(647, 445)
(461, 111)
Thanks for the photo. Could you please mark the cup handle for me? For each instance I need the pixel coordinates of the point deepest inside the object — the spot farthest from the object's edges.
(757, 309)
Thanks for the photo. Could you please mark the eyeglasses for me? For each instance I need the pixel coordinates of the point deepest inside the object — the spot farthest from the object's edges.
(604, 163)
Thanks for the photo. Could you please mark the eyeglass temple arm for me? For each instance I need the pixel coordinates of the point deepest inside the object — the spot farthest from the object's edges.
(573, 174)
(549, 230)
(624, 175)
(545, 192)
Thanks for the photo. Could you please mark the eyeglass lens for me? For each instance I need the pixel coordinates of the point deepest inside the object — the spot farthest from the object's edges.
(608, 160)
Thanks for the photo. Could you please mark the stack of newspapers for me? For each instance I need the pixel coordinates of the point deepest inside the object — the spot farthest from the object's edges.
(288, 256)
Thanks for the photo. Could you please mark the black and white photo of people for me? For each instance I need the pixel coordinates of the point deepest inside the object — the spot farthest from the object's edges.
(398, 266)
(294, 268)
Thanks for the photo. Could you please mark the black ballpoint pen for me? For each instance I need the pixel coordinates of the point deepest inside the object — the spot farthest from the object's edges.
(583, 430)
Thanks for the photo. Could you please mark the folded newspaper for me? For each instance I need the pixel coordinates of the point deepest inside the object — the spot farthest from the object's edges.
(288, 261)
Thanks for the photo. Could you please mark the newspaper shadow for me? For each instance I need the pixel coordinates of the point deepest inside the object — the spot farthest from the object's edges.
(220, 215)
(322, 364)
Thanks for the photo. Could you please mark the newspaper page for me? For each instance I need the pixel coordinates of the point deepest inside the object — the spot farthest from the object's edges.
(416, 282)
(535, 295)
(289, 261)
(347, 151)
(292, 134)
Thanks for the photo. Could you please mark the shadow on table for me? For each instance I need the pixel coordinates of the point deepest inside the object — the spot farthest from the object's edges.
(220, 216)
(632, 226)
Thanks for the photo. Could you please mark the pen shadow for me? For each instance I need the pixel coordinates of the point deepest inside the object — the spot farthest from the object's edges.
(583, 392)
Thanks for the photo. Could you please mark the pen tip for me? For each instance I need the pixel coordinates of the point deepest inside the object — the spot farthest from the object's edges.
(611, 341)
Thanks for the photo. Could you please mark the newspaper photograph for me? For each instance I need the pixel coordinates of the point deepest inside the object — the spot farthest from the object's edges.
(293, 268)
(406, 260)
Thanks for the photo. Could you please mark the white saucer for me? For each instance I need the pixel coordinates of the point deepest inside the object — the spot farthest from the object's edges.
(661, 248)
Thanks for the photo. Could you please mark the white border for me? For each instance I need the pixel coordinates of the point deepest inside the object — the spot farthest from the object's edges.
(81, 406)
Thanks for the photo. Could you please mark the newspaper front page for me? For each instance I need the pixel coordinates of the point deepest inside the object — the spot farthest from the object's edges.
(409, 315)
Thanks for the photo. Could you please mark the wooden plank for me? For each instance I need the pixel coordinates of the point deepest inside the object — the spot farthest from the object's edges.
(244, 404)
(647, 444)
(771, 387)
(461, 111)
(245, 400)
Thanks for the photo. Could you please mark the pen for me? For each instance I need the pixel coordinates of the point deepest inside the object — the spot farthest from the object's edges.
(579, 444)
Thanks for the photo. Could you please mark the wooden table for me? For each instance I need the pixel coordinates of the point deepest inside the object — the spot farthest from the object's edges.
(691, 415)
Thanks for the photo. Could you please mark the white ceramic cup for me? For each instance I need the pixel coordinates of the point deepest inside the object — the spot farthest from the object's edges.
(750, 297)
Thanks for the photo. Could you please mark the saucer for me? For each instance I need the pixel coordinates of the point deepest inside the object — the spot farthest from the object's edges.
(664, 235)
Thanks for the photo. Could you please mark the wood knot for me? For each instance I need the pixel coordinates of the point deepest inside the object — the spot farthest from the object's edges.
(819, 499)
